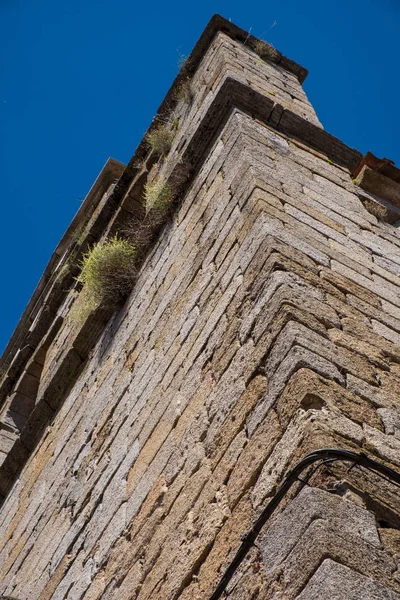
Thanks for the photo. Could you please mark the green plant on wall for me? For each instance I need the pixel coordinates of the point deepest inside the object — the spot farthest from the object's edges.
(160, 139)
(158, 195)
(107, 272)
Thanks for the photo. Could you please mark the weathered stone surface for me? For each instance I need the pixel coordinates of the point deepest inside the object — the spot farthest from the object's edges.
(264, 324)
(324, 539)
(309, 506)
(338, 582)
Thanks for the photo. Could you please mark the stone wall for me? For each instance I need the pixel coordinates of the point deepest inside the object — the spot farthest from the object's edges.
(264, 324)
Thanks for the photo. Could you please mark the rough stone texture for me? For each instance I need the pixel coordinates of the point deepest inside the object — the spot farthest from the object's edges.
(337, 582)
(264, 324)
(315, 525)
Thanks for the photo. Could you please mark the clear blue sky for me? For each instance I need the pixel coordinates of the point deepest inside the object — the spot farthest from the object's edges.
(81, 80)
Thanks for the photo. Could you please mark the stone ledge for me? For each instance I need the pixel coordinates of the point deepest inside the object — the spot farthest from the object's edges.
(317, 138)
(381, 165)
(380, 185)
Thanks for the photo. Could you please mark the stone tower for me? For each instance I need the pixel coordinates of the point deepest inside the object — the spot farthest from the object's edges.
(231, 430)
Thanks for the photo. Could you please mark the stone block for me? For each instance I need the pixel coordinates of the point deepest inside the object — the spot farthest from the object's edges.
(313, 504)
(34, 368)
(14, 420)
(7, 439)
(90, 332)
(27, 385)
(310, 391)
(376, 183)
(297, 358)
(21, 404)
(391, 420)
(328, 539)
(337, 582)
(11, 466)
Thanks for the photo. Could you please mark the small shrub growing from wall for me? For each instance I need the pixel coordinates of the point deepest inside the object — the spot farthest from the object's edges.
(160, 139)
(265, 50)
(143, 231)
(158, 195)
(184, 93)
(107, 272)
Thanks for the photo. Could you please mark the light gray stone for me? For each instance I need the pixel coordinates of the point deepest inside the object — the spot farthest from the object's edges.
(337, 582)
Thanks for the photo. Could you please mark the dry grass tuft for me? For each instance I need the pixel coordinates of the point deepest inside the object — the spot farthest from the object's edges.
(82, 307)
(158, 196)
(107, 273)
(143, 231)
(265, 50)
(160, 139)
(184, 93)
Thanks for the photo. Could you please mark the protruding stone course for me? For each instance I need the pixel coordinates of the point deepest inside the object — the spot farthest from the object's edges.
(138, 447)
